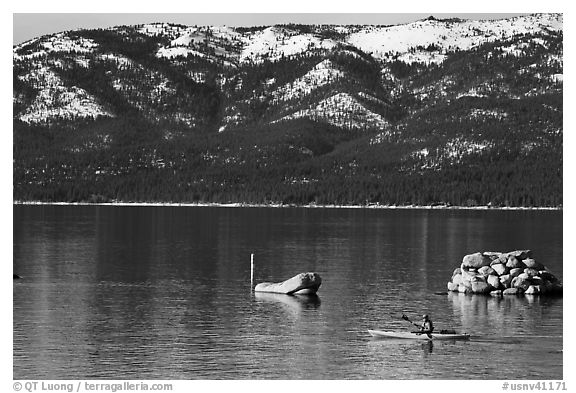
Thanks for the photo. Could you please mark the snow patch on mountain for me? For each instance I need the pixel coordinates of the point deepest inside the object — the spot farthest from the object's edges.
(477, 91)
(97, 142)
(160, 29)
(424, 57)
(63, 43)
(171, 52)
(554, 60)
(516, 50)
(322, 74)
(459, 147)
(388, 42)
(452, 153)
(372, 99)
(150, 97)
(422, 153)
(83, 62)
(342, 110)
(190, 37)
(274, 42)
(119, 60)
(57, 43)
(487, 114)
(55, 100)
(210, 42)
(557, 78)
(381, 137)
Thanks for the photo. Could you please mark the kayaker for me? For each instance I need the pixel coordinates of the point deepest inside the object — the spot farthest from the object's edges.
(427, 325)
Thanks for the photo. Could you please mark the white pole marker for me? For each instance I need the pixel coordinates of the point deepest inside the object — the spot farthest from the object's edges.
(251, 269)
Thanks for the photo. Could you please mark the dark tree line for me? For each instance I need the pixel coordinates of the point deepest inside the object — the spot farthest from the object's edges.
(272, 166)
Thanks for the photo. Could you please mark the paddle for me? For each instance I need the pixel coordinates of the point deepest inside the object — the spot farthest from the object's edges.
(404, 317)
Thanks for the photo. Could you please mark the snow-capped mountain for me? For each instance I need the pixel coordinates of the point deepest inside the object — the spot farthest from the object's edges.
(427, 95)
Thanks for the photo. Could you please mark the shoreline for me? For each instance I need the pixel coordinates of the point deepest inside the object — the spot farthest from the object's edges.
(284, 206)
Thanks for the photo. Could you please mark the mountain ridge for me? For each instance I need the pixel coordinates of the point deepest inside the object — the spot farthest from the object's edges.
(473, 90)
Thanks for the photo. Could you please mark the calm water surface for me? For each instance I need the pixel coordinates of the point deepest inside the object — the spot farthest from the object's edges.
(164, 292)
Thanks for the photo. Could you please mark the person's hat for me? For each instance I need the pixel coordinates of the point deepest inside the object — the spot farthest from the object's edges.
(425, 316)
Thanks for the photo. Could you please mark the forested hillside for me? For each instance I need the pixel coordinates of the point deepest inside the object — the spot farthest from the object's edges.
(453, 112)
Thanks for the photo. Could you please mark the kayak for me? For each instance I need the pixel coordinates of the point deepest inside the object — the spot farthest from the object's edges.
(419, 336)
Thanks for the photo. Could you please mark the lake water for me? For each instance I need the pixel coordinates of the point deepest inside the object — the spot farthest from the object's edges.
(142, 292)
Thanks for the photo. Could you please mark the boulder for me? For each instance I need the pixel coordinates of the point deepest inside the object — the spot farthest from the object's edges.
(466, 283)
(502, 259)
(533, 290)
(301, 284)
(506, 280)
(492, 255)
(481, 287)
(494, 281)
(514, 263)
(486, 271)
(513, 291)
(516, 271)
(452, 286)
(464, 289)
(457, 279)
(532, 264)
(520, 254)
(478, 278)
(519, 282)
(531, 272)
(468, 275)
(497, 293)
(456, 271)
(523, 276)
(500, 269)
(475, 261)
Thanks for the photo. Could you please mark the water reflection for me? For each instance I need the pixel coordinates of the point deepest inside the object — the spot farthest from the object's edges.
(390, 344)
(428, 346)
(508, 315)
(164, 293)
(295, 302)
(295, 305)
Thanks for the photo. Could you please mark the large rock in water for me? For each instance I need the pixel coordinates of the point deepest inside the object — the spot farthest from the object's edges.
(520, 282)
(533, 290)
(457, 279)
(481, 287)
(520, 254)
(500, 269)
(486, 271)
(514, 263)
(506, 280)
(532, 264)
(515, 272)
(494, 280)
(513, 291)
(301, 284)
(475, 261)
